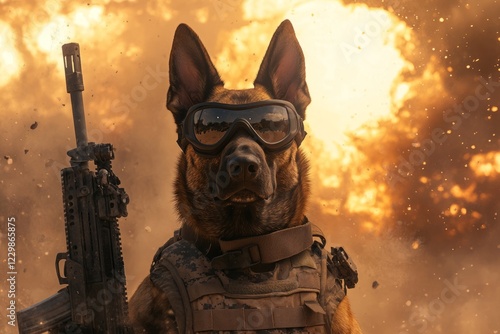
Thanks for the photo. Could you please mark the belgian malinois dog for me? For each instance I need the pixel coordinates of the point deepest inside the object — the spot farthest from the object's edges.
(241, 173)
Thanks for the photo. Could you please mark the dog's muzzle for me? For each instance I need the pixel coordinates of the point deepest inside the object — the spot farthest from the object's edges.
(243, 175)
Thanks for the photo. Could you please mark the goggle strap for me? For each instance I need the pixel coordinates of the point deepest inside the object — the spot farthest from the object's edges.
(300, 138)
(181, 140)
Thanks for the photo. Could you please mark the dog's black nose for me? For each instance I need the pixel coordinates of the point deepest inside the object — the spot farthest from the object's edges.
(243, 167)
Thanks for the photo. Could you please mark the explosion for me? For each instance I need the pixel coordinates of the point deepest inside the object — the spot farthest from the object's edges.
(401, 136)
(9, 57)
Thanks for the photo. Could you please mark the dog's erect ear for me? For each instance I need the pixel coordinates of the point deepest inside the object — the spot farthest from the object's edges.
(282, 72)
(192, 74)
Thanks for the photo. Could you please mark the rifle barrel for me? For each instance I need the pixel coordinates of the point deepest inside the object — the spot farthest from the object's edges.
(74, 86)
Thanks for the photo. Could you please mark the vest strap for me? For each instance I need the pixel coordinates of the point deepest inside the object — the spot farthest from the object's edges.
(256, 319)
(267, 248)
(199, 289)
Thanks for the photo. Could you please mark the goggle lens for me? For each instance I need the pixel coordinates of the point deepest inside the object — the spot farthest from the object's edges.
(270, 122)
(209, 126)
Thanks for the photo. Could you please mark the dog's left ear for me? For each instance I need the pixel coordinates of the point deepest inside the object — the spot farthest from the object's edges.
(282, 72)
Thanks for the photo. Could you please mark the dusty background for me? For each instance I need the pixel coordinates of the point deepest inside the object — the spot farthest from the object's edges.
(402, 137)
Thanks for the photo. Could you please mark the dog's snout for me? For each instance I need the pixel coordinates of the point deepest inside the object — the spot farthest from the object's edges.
(243, 167)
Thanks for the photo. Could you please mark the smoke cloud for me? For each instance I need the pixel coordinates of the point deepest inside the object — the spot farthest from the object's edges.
(411, 191)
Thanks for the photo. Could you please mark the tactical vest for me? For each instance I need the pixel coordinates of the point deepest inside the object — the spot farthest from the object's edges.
(297, 294)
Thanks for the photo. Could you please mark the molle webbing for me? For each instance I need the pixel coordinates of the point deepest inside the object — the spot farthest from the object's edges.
(201, 287)
(256, 319)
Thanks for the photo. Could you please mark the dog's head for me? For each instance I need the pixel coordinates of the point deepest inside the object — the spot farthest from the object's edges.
(242, 188)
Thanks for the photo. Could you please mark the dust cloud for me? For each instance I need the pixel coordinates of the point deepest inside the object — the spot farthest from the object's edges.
(411, 190)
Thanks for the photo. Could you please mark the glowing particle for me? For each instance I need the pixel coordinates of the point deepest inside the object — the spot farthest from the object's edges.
(408, 303)
(148, 228)
(454, 209)
(494, 109)
(441, 19)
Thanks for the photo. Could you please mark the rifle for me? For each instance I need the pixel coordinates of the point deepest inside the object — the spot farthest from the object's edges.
(94, 300)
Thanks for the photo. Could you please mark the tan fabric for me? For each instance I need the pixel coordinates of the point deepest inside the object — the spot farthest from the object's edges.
(256, 319)
(289, 298)
(267, 248)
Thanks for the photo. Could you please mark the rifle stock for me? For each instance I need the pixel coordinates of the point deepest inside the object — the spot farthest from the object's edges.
(95, 299)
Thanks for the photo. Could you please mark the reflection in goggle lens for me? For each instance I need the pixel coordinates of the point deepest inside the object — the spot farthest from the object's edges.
(271, 123)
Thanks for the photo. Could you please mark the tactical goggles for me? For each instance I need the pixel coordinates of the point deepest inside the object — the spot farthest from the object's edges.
(209, 126)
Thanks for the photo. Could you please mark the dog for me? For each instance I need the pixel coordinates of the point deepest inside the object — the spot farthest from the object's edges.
(237, 179)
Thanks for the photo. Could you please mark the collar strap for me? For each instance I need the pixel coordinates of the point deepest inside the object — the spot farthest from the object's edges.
(266, 249)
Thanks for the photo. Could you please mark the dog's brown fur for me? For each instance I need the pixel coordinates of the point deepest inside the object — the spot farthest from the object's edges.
(281, 186)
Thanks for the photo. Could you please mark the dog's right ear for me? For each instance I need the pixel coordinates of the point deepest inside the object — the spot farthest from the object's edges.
(192, 74)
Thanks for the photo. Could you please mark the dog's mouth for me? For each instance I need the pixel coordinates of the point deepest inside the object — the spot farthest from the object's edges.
(243, 196)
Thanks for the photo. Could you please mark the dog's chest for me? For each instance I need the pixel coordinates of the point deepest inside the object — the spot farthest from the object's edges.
(281, 300)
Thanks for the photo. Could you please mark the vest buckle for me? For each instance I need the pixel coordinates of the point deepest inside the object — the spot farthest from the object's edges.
(245, 257)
